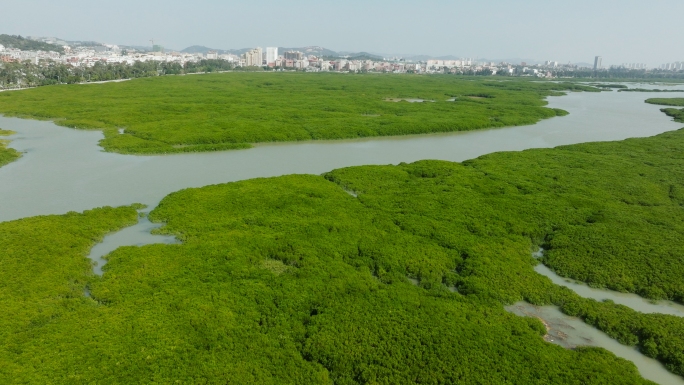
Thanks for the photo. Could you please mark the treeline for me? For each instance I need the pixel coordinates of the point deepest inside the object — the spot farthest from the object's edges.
(27, 74)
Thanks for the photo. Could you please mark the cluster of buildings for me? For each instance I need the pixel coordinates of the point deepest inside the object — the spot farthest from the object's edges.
(271, 57)
(634, 66)
(106, 53)
(8, 55)
(88, 55)
(296, 60)
(676, 66)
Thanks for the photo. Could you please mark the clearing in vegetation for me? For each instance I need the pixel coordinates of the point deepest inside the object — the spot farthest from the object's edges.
(229, 111)
(295, 280)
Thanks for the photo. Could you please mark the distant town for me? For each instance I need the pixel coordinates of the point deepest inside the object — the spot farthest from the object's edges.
(48, 52)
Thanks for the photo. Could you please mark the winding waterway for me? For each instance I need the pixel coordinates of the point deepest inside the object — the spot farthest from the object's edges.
(632, 301)
(64, 170)
(571, 332)
(139, 234)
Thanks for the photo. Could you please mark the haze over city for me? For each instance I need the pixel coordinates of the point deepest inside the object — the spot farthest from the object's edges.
(620, 31)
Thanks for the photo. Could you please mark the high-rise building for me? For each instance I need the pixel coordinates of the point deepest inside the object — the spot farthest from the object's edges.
(271, 55)
(254, 58)
(597, 63)
(294, 55)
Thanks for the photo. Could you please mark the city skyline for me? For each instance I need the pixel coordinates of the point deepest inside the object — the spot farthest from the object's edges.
(534, 30)
(270, 54)
(90, 52)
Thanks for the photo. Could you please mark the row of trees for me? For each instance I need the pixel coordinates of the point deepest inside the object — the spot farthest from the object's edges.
(27, 74)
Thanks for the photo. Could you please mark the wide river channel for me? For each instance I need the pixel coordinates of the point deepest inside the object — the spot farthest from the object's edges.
(65, 170)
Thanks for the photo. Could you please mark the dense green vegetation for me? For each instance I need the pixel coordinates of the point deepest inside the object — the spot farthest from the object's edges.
(295, 280)
(676, 102)
(604, 85)
(228, 111)
(678, 115)
(7, 155)
(286, 280)
(18, 42)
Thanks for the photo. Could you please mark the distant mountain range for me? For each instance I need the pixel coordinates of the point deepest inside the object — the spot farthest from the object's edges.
(203, 50)
(311, 50)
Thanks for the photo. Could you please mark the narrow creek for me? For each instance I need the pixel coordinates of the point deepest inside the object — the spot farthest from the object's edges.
(570, 332)
(633, 301)
(139, 234)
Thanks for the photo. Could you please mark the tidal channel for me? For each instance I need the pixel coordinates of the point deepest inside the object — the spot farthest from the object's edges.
(65, 170)
(139, 234)
(570, 332)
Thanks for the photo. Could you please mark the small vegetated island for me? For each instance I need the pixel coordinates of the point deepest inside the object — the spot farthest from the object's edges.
(173, 114)
(676, 113)
(364, 275)
(7, 155)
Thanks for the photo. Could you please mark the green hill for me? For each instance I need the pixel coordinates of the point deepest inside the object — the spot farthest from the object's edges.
(18, 42)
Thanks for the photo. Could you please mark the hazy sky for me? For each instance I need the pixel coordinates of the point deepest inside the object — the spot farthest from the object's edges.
(569, 30)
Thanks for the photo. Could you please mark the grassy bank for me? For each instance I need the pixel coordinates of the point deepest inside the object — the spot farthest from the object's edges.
(7, 155)
(231, 111)
(677, 114)
(674, 102)
(295, 280)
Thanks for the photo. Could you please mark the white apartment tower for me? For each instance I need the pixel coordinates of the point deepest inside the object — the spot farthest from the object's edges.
(254, 58)
(271, 55)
